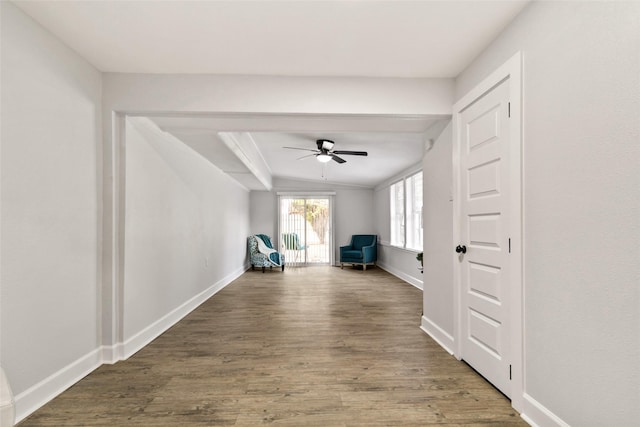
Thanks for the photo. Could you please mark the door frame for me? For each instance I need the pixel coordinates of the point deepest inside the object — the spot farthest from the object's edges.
(511, 70)
(330, 195)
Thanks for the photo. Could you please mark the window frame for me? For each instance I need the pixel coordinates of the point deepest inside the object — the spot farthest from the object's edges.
(397, 239)
(405, 223)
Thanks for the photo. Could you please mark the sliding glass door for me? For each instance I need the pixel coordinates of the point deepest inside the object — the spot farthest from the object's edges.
(306, 229)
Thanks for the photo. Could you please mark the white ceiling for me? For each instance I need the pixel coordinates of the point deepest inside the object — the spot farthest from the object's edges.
(302, 38)
(290, 38)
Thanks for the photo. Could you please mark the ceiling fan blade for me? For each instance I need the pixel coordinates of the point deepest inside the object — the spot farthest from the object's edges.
(351, 153)
(303, 149)
(304, 157)
(337, 159)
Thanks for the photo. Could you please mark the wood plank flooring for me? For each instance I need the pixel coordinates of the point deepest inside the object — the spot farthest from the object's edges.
(316, 346)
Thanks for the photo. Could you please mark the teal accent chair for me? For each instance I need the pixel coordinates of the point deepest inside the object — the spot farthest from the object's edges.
(362, 250)
(292, 243)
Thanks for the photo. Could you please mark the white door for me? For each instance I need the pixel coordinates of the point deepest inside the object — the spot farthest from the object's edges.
(483, 252)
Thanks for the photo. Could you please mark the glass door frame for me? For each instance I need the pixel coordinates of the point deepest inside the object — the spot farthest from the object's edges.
(306, 195)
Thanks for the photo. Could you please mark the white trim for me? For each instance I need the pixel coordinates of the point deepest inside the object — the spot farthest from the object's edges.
(157, 328)
(305, 193)
(111, 353)
(400, 248)
(332, 212)
(231, 140)
(537, 415)
(38, 395)
(511, 70)
(438, 334)
(401, 275)
(116, 308)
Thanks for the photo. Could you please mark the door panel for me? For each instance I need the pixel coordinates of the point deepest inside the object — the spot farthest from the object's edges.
(484, 224)
(484, 128)
(484, 180)
(485, 332)
(485, 280)
(484, 230)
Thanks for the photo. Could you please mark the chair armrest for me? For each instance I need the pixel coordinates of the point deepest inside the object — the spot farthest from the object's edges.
(345, 248)
(370, 253)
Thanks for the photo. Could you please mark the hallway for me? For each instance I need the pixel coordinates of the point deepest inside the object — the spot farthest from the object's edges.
(310, 346)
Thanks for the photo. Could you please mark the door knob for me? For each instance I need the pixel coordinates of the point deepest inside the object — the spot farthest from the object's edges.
(461, 249)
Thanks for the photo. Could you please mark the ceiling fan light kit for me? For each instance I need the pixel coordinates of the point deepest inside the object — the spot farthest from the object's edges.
(324, 158)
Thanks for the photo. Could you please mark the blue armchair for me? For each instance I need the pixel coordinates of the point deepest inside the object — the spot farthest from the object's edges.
(362, 250)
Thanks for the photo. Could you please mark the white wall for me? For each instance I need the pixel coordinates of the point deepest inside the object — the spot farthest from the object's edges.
(581, 206)
(263, 214)
(437, 220)
(354, 215)
(382, 213)
(49, 272)
(185, 228)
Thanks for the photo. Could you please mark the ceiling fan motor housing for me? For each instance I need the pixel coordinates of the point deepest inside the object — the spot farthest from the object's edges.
(325, 145)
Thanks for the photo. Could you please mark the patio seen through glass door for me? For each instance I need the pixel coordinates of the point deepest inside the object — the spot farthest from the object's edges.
(305, 230)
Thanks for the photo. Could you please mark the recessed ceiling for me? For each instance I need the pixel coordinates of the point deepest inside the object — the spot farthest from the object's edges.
(388, 154)
(392, 143)
(293, 38)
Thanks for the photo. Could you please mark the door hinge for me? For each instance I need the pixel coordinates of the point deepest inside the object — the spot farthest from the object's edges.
(509, 372)
(509, 244)
(509, 109)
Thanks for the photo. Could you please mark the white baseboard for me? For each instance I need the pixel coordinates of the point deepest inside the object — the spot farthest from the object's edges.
(537, 415)
(157, 328)
(440, 336)
(36, 396)
(401, 275)
(112, 354)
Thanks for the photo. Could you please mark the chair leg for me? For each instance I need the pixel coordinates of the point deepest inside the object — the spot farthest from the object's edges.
(253, 267)
(342, 265)
(282, 267)
(364, 267)
(263, 268)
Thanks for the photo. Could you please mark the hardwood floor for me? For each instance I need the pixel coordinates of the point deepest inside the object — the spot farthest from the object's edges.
(316, 346)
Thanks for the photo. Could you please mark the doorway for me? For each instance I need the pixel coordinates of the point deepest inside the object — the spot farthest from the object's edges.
(306, 229)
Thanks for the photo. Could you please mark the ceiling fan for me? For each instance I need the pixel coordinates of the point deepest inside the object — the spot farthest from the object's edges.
(325, 152)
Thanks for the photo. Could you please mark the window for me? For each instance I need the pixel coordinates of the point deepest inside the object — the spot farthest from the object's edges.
(413, 186)
(397, 214)
(406, 212)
